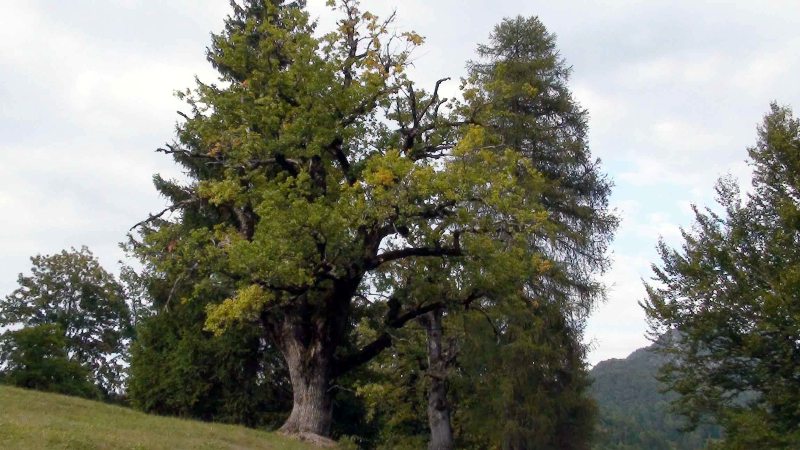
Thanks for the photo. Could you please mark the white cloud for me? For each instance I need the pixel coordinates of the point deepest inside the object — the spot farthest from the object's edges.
(606, 111)
(682, 153)
(617, 327)
(668, 69)
(762, 71)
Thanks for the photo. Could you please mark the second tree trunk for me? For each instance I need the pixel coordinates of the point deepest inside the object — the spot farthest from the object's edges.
(438, 407)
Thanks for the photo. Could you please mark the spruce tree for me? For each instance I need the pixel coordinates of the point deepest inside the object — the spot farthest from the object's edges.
(727, 302)
(528, 369)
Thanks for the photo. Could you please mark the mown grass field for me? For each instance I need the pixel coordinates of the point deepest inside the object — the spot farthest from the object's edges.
(36, 420)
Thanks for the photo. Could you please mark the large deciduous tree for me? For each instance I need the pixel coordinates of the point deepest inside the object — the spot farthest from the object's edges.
(325, 177)
(73, 292)
(728, 302)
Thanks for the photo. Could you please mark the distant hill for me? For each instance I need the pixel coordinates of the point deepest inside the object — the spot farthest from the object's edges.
(634, 414)
(37, 420)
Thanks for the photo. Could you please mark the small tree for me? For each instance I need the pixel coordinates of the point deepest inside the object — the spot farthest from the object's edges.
(732, 293)
(36, 358)
(73, 292)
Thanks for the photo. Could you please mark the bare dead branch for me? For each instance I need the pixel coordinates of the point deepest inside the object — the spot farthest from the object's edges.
(168, 209)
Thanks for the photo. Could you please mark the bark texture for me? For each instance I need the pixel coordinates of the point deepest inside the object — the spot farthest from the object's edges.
(309, 364)
(308, 333)
(438, 407)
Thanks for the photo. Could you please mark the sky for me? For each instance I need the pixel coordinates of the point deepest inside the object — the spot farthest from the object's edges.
(675, 90)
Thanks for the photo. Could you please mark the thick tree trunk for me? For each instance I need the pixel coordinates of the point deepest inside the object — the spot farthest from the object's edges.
(438, 407)
(309, 364)
(308, 342)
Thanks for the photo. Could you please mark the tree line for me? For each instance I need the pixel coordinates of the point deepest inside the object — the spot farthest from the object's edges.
(350, 255)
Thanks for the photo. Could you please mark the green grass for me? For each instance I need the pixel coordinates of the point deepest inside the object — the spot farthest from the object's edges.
(37, 420)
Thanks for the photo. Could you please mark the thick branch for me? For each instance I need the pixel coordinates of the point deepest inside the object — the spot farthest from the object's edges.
(335, 148)
(435, 99)
(246, 218)
(393, 255)
(287, 165)
(383, 341)
(395, 320)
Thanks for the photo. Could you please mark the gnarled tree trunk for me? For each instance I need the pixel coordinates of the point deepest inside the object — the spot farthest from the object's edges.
(309, 360)
(438, 407)
(308, 340)
(310, 377)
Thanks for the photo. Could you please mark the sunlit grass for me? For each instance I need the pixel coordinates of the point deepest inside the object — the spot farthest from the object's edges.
(36, 420)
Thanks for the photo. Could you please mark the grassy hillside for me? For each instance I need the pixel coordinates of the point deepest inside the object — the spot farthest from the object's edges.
(36, 420)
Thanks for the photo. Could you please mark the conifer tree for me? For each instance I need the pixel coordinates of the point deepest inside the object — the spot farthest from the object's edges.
(727, 303)
(525, 376)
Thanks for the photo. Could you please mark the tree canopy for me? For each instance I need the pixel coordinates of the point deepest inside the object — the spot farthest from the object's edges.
(71, 291)
(324, 188)
(36, 358)
(731, 295)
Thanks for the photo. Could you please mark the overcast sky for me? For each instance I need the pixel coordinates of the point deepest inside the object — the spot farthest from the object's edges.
(675, 90)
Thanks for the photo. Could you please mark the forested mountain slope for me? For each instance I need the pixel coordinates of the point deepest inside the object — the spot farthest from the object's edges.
(634, 414)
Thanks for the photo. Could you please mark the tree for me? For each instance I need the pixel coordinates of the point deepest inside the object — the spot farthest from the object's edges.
(329, 176)
(527, 388)
(533, 351)
(72, 291)
(36, 358)
(731, 293)
(177, 368)
(521, 85)
(512, 381)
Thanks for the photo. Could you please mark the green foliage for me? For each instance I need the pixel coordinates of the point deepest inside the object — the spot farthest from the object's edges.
(394, 389)
(522, 382)
(518, 379)
(634, 411)
(71, 291)
(35, 357)
(732, 294)
(520, 85)
(178, 368)
(321, 180)
(525, 387)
